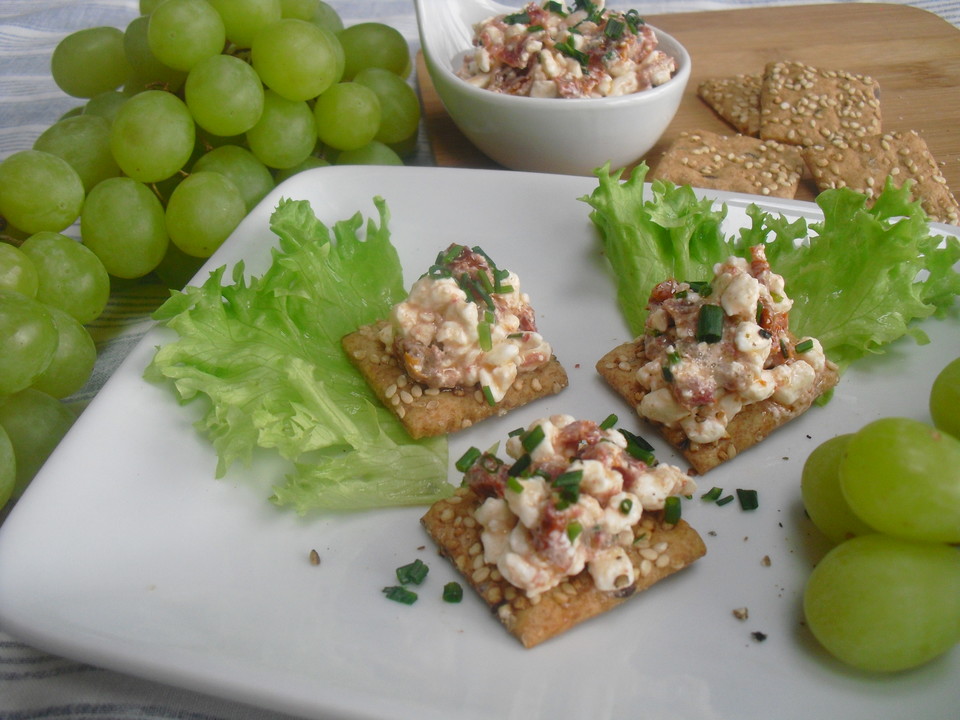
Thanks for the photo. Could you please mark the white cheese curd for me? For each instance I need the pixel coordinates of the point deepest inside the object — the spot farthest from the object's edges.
(541, 532)
(699, 385)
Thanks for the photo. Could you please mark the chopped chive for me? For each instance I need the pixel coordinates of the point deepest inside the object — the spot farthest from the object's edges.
(573, 530)
(673, 357)
(534, 28)
(759, 312)
(784, 349)
(639, 448)
(633, 20)
(400, 594)
(514, 485)
(710, 324)
(671, 510)
(667, 373)
(488, 395)
(626, 505)
(724, 500)
(555, 7)
(517, 18)
(712, 494)
(412, 573)
(516, 431)
(609, 422)
(568, 484)
(484, 337)
(567, 48)
(748, 499)
(701, 288)
(452, 592)
(614, 29)
(520, 466)
(467, 460)
(803, 346)
(533, 438)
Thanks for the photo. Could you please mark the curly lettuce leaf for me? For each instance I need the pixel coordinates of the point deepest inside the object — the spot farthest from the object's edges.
(859, 279)
(266, 354)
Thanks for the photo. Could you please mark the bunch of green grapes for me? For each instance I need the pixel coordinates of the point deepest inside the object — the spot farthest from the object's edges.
(191, 115)
(886, 597)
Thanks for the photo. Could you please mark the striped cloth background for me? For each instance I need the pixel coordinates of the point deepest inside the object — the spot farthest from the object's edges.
(33, 684)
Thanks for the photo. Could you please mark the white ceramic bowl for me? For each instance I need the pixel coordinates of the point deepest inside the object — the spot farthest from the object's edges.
(556, 135)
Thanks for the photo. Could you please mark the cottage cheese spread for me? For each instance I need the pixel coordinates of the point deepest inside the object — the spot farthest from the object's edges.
(544, 51)
(700, 384)
(466, 323)
(573, 505)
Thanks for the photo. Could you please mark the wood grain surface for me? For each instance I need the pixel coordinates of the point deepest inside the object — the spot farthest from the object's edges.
(914, 55)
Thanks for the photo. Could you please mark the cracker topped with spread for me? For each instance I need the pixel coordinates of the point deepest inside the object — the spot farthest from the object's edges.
(575, 525)
(717, 369)
(462, 347)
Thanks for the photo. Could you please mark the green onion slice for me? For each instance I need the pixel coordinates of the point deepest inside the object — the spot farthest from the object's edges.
(520, 466)
(626, 505)
(609, 421)
(452, 592)
(614, 28)
(514, 485)
(484, 336)
(573, 530)
(748, 499)
(400, 594)
(724, 500)
(712, 494)
(412, 573)
(517, 18)
(804, 346)
(568, 484)
(467, 460)
(488, 395)
(710, 324)
(671, 510)
(701, 288)
(533, 438)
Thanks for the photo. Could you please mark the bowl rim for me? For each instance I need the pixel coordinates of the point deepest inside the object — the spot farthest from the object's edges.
(443, 70)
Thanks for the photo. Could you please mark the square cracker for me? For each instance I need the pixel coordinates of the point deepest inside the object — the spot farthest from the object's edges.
(863, 164)
(805, 105)
(450, 523)
(747, 428)
(736, 163)
(425, 412)
(735, 99)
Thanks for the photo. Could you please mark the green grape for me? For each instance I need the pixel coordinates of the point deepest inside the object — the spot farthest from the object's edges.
(224, 95)
(347, 115)
(84, 142)
(822, 496)
(39, 191)
(884, 604)
(123, 223)
(202, 212)
(8, 468)
(285, 134)
(72, 363)
(902, 477)
(373, 153)
(945, 399)
(146, 72)
(148, 6)
(241, 167)
(105, 105)
(177, 268)
(28, 340)
(297, 59)
(152, 135)
(181, 33)
(399, 106)
(71, 277)
(315, 11)
(35, 423)
(243, 18)
(309, 164)
(17, 271)
(373, 44)
(89, 62)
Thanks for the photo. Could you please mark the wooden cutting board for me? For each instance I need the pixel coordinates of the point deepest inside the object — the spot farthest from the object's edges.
(914, 55)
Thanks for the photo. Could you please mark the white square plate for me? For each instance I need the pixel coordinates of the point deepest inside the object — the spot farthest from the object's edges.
(125, 552)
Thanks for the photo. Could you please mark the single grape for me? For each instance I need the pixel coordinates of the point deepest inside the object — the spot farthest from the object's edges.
(373, 153)
(884, 604)
(148, 6)
(373, 44)
(945, 399)
(202, 212)
(243, 18)
(28, 340)
(152, 135)
(347, 115)
(35, 423)
(822, 496)
(241, 167)
(105, 105)
(399, 106)
(297, 59)
(123, 223)
(39, 191)
(89, 62)
(224, 95)
(146, 71)
(315, 11)
(177, 268)
(8, 468)
(84, 142)
(285, 134)
(72, 363)
(181, 33)
(71, 277)
(902, 478)
(309, 164)
(17, 271)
